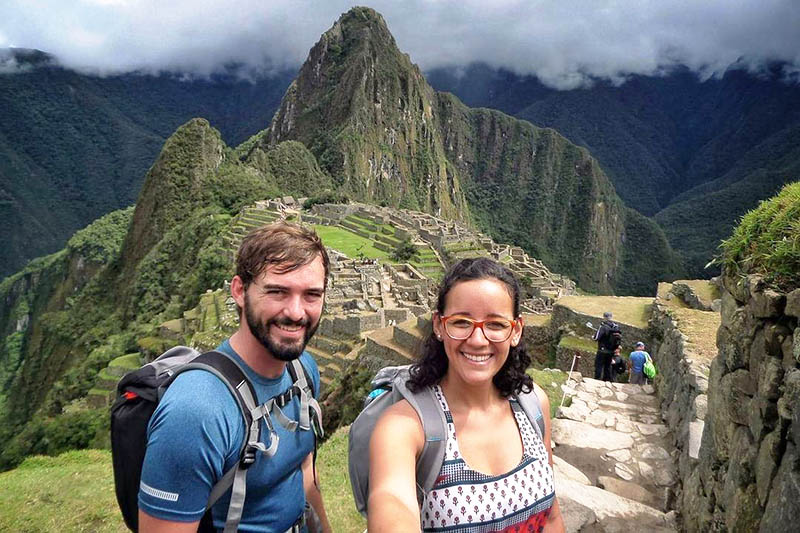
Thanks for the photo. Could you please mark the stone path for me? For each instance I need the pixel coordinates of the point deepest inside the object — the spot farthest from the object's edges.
(614, 469)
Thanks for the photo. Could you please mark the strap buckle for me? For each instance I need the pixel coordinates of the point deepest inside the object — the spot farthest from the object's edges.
(248, 456)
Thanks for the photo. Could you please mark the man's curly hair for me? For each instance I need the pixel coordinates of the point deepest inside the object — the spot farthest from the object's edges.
(432, 366)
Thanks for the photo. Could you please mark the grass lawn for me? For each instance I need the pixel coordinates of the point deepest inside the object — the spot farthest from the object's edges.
(701, 329)
(75, 492)
(578, 343)
(348, 242)
(551, 381)
(631, 310)
(332, 468)
(705, 290)
(71, 492)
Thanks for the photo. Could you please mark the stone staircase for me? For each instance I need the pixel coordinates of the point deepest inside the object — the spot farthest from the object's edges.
(614, 470)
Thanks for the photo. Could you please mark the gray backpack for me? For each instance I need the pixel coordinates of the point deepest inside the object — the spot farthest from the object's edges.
(388, 387)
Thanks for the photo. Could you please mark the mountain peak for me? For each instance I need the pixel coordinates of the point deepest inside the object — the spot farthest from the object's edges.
(367, 114)
(362, 24)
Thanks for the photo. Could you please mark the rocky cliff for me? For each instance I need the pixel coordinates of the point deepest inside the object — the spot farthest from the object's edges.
(369, 116)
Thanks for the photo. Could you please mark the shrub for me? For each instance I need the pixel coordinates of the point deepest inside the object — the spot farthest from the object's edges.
(767, 241)
(404, 251)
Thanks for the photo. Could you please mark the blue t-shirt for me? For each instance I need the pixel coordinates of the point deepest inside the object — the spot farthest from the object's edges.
(195, 436)
(638, 358)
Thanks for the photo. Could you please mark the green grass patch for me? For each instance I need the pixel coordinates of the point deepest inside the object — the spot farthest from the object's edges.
(74, 491)
(767, 241)
(70, 492)
(631, 310)
(336, 491)
(550, 380)
(348, 242)
(129, 361)
(578, 343)
(704, 289)
(537, 320)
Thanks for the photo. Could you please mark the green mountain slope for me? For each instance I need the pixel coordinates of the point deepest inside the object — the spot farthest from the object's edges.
(381, 132)
(368, 115)
(695, 154)
(74, 147)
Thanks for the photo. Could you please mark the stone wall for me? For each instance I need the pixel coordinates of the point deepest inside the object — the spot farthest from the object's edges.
(682, 385)
(747, 473)
(351, 325)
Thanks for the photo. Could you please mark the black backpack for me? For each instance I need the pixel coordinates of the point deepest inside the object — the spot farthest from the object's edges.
(140, 391)
(612, 338)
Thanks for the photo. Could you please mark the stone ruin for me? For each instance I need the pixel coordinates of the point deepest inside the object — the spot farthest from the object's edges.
(451, 241)
(365, 296)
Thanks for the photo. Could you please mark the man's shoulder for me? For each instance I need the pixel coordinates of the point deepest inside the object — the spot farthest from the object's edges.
(200, 391)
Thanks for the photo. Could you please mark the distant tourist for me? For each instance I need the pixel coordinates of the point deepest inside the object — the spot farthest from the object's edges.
(618, 365)
(637, 361)
(196, 433)
(609, 338)
(474, 363)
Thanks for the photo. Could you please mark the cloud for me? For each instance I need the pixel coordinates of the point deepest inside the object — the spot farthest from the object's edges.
(564, 42)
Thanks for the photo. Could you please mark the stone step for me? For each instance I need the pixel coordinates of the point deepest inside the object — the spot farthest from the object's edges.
(590, 508)
(612, 433)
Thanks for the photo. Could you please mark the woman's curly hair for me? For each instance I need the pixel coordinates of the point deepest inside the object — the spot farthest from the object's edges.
(432, 366)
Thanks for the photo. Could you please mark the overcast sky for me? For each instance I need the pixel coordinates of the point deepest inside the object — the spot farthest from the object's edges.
(562, 41)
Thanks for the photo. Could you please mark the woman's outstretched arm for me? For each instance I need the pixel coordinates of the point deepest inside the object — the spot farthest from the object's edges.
(555, 522)
(396, 442)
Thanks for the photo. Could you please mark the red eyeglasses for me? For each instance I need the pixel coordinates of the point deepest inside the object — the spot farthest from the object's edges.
(494, 329)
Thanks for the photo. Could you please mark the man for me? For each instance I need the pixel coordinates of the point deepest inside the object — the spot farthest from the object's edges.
(608, 339)
(637, 360)
(196, 433)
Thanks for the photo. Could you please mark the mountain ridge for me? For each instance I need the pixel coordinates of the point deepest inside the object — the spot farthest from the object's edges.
(75, 146)
(670, 143)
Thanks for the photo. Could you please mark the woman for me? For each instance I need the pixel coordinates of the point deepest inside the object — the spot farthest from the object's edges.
(497, 473)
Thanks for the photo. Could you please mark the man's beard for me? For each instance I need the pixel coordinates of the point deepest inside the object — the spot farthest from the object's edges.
(260, 330)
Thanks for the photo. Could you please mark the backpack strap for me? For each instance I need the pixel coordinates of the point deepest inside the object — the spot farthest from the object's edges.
(227, 370)
(529, 402)
(310, 411)
(434, 426)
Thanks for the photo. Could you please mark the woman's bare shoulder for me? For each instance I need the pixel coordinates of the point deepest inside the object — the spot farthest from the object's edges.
(399, 425)
(400, 414)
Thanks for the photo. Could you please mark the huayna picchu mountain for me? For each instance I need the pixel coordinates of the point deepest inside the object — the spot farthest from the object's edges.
(368, 115)
(359, 121)
(385, 136)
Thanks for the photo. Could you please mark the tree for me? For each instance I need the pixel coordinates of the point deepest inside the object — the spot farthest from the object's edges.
(404, 251)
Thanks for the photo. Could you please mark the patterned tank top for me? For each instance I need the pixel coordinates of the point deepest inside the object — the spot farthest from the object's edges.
(466, 501)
